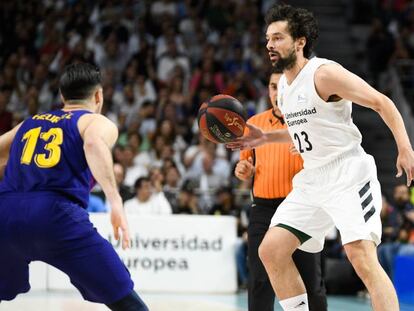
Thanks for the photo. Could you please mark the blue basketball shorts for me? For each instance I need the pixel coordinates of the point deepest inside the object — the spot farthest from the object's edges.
(50, 228)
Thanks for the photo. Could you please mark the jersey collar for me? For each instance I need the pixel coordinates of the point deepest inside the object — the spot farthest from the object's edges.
(280, 119)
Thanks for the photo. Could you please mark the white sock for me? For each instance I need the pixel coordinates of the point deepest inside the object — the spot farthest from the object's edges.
(297, 303)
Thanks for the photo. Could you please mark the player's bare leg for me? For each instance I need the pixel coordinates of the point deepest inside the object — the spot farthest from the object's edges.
(363, 256)
(276, 251)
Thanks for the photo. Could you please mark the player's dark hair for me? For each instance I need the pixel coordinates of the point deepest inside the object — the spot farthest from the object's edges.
(79, 80)
(301, 23)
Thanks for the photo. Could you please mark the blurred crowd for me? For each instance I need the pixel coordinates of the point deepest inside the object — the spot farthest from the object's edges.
(159, 61)
(391, 36)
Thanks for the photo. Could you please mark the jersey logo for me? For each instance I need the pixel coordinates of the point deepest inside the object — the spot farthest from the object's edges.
(302, 99)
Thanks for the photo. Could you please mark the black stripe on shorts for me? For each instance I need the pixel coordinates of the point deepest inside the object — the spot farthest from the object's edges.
(367, 201)
(364, 190)
(368, 215)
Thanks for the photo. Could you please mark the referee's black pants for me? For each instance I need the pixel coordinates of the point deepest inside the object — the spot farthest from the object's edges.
(261, 296)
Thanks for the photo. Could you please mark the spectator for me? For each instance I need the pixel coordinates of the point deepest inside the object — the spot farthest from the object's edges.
(137, 144)
(133, 170)
(209, 181)
(144, 90)
(187, 201)
(114, 56)
(146, 119)
(224, 203)
(391, 222)
(169, 60)
(167, 129)
(172, 185)
(398, 229)
(163, 7)
(126, 103)
(193, 158)
(124, 191)
(146, 201)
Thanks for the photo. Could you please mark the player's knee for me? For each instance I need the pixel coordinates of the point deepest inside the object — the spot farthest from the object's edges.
(362, 268)
(131, 302)
(363, 262)
(269, 252)
(263, 253)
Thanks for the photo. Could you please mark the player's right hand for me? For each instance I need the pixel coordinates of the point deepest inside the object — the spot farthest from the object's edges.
(244, 169)
(120, 224)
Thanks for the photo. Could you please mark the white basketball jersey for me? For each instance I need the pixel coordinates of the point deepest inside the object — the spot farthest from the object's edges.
(321, 131)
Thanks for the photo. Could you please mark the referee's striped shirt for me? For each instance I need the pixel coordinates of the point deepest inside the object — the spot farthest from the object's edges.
(274, 164)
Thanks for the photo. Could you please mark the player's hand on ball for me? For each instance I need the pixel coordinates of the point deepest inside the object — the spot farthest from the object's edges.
(254, 138)
(244, 169)
(120, 224)
(405, 162)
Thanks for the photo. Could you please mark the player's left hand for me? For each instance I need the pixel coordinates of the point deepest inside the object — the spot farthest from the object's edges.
(405, 162)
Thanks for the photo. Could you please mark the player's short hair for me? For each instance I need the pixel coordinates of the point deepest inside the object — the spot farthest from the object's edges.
(79, 80)
(301, 23)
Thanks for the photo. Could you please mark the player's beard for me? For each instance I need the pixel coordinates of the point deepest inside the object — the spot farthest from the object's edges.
(287, 62)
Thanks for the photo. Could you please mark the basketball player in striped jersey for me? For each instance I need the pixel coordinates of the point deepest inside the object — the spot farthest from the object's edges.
(272, 182)
(338, 185)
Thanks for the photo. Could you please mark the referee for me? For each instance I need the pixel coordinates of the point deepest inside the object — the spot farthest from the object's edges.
(272, 167)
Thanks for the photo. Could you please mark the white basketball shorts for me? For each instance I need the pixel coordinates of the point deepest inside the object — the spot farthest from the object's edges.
(344, 193)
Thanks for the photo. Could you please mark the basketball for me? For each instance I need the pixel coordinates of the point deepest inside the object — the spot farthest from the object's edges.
(222, 119)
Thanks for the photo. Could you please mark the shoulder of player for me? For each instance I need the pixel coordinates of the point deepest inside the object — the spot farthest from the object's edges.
(97, 120)
(88, 118)
(328, 79)
(326, 72)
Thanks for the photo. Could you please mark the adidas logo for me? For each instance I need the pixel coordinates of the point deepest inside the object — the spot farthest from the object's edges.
(302, 303)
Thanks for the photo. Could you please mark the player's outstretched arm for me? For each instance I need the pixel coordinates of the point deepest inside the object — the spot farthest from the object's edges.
(99, 135)
(333, 79)
(255, 137)
(5, 143)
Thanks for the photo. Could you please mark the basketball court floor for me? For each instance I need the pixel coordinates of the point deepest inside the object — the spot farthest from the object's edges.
(70, 301)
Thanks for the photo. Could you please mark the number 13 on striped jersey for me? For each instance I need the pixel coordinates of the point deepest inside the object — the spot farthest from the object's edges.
(42, 160)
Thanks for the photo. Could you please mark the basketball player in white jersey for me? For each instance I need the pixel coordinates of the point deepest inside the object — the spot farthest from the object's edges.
(338, 185)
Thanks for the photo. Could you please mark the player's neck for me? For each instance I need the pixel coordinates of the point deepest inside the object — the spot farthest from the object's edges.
(293, 72)
(80, 106)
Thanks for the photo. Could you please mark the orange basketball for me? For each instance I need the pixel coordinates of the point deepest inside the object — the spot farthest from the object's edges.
(222, 119)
